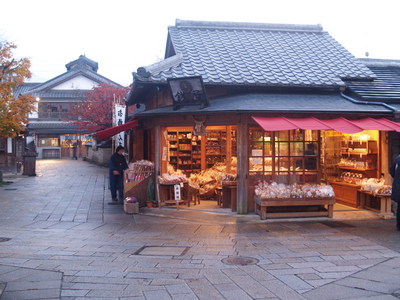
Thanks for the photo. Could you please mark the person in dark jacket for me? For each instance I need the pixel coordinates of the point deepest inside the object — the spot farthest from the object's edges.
(117, 165)
(74, 150)
(395, 173)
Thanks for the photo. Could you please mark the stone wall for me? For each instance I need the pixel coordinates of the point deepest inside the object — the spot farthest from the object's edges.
(100, 156)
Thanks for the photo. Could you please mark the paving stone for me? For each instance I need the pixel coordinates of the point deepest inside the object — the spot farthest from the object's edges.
(151, 275)
(2, 287)
(32, 294)
(294, 282)
(174, 289)
(203, 289)
(292, 271)
(74, 293)
(157, 295)
(334, 291)
(70, 229)
(370, 285)
(235, 294)
(281, 290)
(251, 287)
(21, 285)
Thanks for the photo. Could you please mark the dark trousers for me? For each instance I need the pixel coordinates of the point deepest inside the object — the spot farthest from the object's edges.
(398, 216)
(117, 183)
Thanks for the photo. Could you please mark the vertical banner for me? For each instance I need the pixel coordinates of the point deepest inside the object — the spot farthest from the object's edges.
(119, 119)
(9, 145)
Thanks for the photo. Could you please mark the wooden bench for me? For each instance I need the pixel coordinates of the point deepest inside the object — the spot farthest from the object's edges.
(385, 203)
(326, 205)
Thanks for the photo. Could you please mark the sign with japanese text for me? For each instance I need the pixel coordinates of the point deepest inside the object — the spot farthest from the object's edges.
(188, 91)
(119, 119)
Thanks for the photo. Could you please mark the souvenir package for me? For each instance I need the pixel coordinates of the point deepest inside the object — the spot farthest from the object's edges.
(371, 184)
(139, 170)
(172, 178)
(383, 190)
(266, 190)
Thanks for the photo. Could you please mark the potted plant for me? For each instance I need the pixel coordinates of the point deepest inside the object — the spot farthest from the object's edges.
(151, 201)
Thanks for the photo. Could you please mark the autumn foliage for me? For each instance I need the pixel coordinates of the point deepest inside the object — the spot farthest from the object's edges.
(13, 111)
(95, 112)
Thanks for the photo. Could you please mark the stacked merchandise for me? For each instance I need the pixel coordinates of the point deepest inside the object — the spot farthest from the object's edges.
(139, 170)
(376, 186)
(265, 190)
(137, 179)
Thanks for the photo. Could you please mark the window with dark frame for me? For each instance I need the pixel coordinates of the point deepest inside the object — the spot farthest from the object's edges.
(288, 156)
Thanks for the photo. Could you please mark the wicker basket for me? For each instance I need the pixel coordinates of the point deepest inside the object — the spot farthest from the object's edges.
(131, 208)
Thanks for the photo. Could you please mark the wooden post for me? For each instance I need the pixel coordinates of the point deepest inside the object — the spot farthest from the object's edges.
(228, 156)
(242, 166)
(157, 160)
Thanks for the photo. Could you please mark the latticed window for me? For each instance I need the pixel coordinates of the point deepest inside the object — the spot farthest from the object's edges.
(288, 156)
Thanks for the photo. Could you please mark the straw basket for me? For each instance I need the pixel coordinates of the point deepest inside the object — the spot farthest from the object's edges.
(131, 208)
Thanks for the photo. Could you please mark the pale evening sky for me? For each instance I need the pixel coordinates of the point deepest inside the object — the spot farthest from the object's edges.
(123, 35)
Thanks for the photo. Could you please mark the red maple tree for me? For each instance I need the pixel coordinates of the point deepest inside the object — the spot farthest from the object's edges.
(95, 112)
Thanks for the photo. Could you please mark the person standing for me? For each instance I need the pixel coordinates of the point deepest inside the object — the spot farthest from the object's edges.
(117, 165)
(395, 173)
(74, 150)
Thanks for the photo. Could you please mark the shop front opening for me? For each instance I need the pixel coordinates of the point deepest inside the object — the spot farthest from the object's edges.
(204, 164)
(304, 172)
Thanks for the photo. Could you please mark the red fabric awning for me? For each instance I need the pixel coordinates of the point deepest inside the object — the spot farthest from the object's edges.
(340, 124)
(110, 132)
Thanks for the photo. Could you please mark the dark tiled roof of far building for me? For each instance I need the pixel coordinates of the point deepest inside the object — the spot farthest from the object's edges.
(255, 54)
(385, 88)
(82, 66)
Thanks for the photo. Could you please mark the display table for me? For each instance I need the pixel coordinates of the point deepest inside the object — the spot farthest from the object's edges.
(167, 194)
(385, 203)
(229, 197)
(346, 193)
(294, 207)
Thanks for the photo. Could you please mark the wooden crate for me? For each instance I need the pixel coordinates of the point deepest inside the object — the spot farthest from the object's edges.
(131, 208)
(137, 189)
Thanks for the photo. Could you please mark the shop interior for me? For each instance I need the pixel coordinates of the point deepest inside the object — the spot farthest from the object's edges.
(206, 165)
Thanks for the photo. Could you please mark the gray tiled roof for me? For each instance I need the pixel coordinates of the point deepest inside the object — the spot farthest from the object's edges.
(277, 103)
(255, 54)
(37, 125)
(52, 127)
(22, 88)
(82, 66)
(67, 95)
(387, 85)
(84, 62)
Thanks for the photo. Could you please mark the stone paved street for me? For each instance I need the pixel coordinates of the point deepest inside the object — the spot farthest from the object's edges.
(59, 239)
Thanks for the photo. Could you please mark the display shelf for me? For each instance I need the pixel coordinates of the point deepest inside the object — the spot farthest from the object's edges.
(215, 147)
(359, 156)
(355, 169)
(184, 151)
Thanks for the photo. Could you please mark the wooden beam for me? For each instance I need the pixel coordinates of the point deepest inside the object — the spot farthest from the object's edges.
(157, 159)
(242, 166)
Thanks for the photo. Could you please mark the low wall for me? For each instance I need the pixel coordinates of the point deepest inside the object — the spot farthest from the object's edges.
(100, 156)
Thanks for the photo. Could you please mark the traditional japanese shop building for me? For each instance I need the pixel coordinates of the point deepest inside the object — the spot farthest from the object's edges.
(50, 126)
(267, 102)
